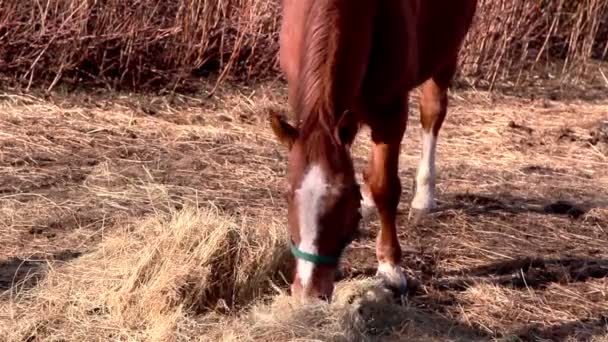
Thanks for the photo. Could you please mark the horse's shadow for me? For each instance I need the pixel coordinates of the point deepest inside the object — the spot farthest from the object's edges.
(524, 272)
(519, 273)
(399, 321)
(474, 205)
(537, 273)
(585, 330)
(26, 273)
(527, 272)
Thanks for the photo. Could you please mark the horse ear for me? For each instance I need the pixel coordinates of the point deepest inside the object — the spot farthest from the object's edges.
(347, 128)
(285, 133)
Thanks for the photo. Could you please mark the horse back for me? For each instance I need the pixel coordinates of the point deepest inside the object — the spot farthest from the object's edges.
(442, 27)
(412, 41)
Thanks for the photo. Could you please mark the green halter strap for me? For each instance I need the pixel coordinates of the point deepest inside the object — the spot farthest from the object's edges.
(314, 258)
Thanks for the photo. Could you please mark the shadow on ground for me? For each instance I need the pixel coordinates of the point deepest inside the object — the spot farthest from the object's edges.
(534, 271)
(26, 273)
(528, 272)
(476, 204)
(584, 330)
(522, 273)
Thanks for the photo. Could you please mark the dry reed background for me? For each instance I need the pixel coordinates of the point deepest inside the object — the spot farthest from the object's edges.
(150, 43)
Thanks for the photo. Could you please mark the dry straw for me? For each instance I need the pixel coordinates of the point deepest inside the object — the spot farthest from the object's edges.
(146, 277)
(147, 43)
(107, 175)
(513, 40)
(188, 276)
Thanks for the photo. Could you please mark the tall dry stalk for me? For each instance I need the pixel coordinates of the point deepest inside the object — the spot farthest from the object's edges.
(135, 43)
(151, 43)
(512, 39)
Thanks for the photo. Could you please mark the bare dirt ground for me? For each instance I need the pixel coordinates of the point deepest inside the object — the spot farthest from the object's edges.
(518, 249)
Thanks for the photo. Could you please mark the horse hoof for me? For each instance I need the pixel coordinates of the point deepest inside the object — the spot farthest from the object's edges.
(417, 215)
(393, 278)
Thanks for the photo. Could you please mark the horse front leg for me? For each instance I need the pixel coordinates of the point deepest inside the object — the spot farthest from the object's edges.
(383, 185)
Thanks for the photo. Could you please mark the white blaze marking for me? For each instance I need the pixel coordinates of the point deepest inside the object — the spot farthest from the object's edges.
(309, 198)
(425, 177)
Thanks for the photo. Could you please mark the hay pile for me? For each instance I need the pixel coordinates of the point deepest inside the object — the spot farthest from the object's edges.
(144, 279)
(361, 310)
(196, 274)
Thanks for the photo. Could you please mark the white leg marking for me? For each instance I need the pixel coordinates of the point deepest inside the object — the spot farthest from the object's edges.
(424, 198)
(309, 200)
(368, 206)
(392, 275)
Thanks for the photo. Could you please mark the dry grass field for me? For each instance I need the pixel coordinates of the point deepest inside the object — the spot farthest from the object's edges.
(128, 217)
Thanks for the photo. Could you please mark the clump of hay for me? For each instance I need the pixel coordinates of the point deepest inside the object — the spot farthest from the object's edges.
(361, 309)
(146, 279)
(197, 274)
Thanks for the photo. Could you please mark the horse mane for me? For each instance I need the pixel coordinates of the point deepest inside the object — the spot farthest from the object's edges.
(313, 102)
(330, 73)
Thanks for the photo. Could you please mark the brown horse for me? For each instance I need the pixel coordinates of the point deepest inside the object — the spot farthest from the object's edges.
(350, 63)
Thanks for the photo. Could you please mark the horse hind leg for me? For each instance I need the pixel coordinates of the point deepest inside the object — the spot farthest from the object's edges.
(433, 110)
